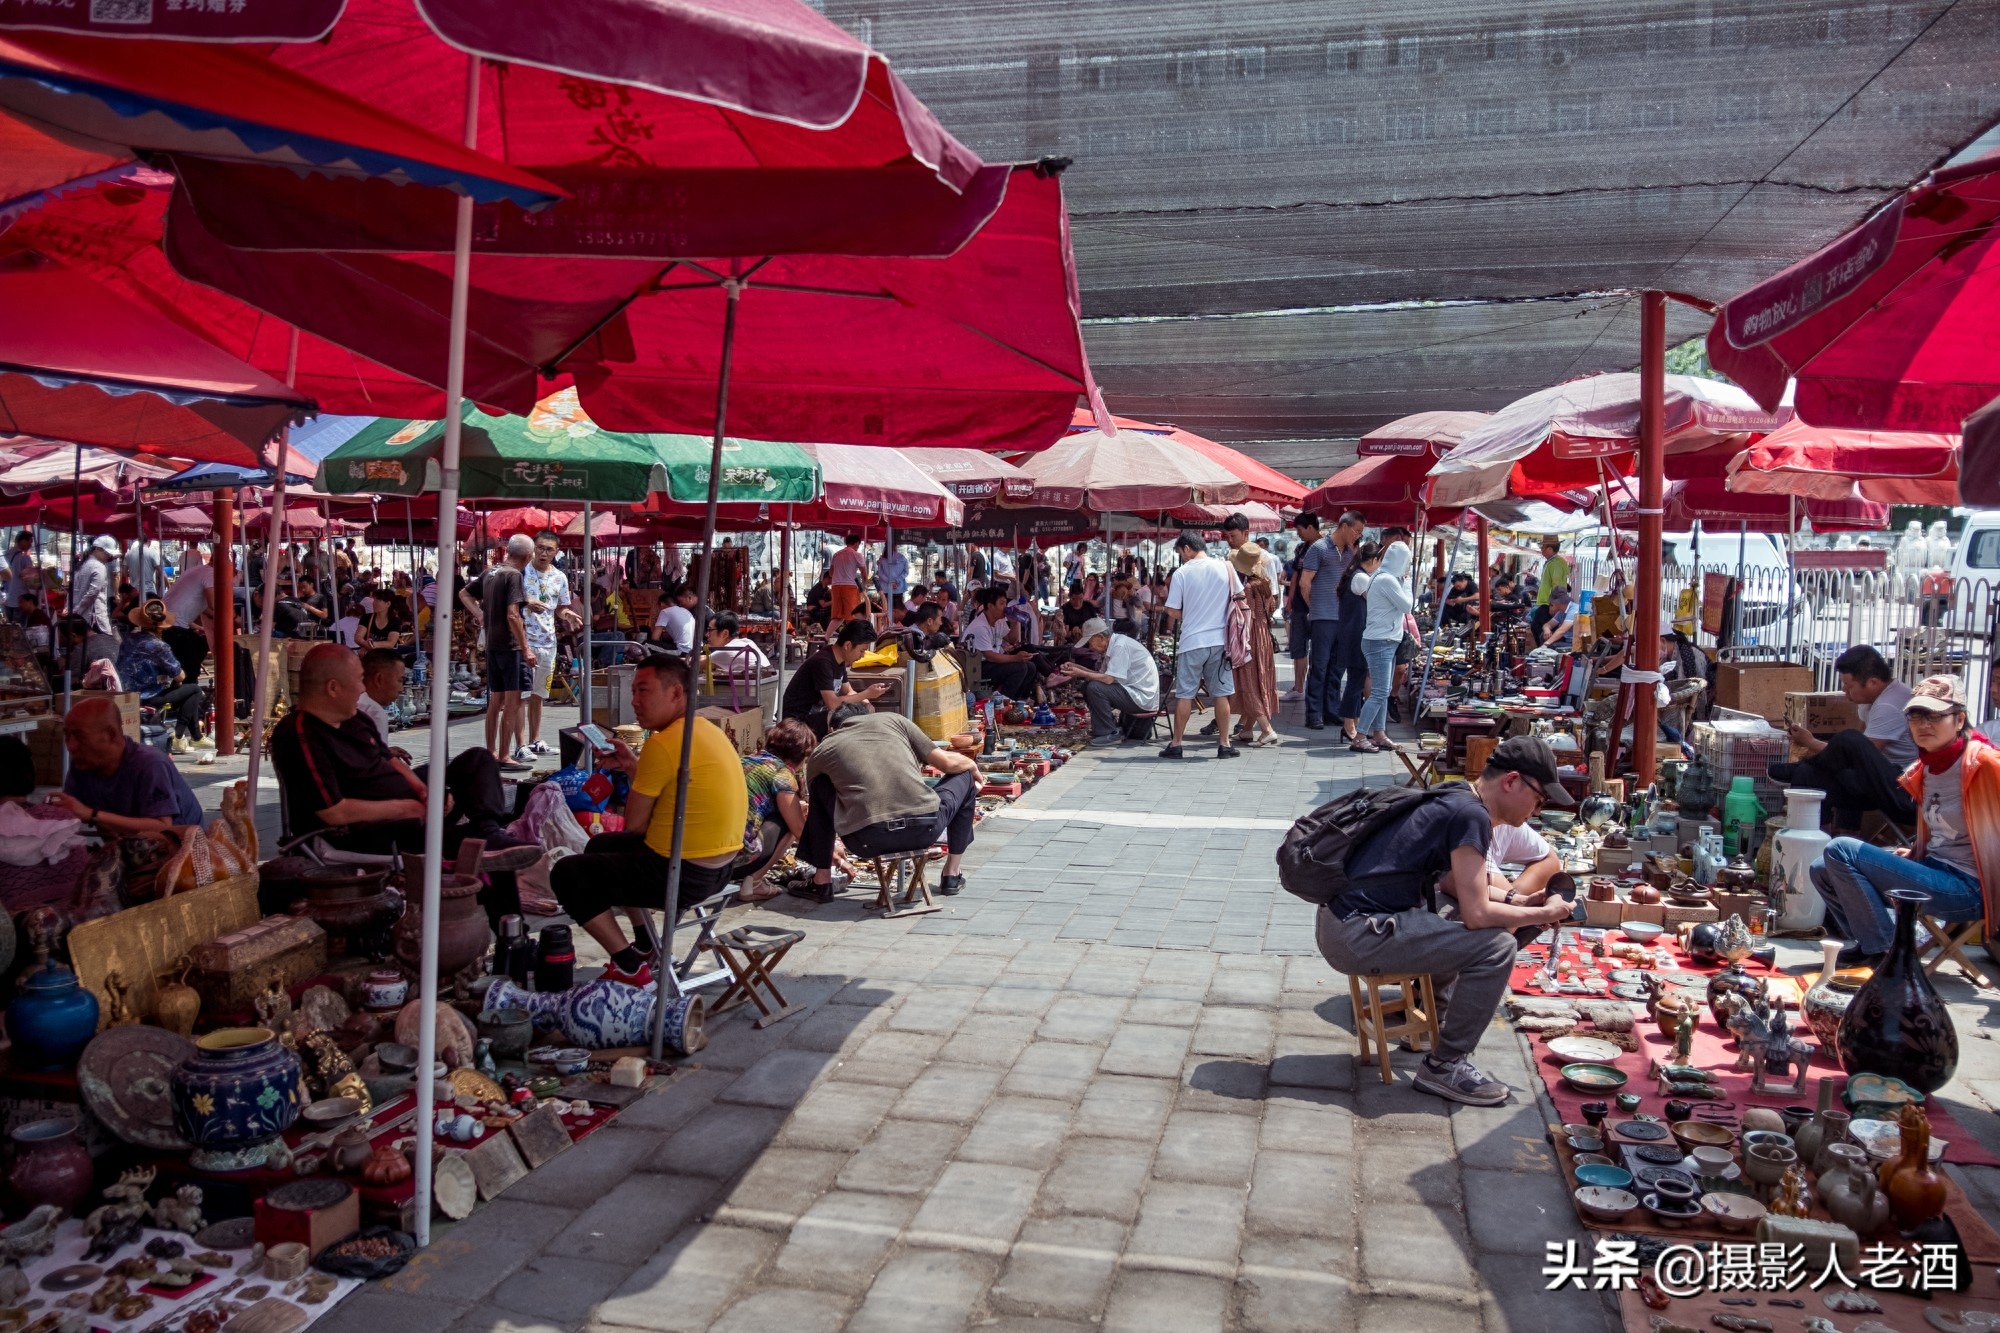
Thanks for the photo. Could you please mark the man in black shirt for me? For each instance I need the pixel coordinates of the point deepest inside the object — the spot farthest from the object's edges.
(508, 656)
(1075, 611)
(1387, 923)
(334, 769)
(821, 683)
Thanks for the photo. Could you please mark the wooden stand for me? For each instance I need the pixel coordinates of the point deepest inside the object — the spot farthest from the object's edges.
(905, 890)
(1411, 1013)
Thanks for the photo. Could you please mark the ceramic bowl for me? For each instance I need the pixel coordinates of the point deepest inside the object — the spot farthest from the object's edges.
(1584, 1159)
(1732, 1212)
(396, 1058)
(1883, 1139)
(331, 1111)
(1558, 821)
(560, 1059)
(1593, 1077)
(1628, 1102)
(1585, 1143)
(1670, 1212)
(1584, 1050)
(1766, 1163)
(1642, 932)
(1712, 1161)
(1611, 1177)
(1675, 1185)
(1601, 1203)
(1700, 1134)
(1753, 1137)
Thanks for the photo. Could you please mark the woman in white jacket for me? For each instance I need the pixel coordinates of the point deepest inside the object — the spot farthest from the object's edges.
(1388, 602)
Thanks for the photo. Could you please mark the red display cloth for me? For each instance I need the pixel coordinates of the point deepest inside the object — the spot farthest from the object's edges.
(1898, 1311)
(1716, 1052)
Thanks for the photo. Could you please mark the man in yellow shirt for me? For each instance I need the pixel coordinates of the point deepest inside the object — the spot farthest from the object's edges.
(629, 869)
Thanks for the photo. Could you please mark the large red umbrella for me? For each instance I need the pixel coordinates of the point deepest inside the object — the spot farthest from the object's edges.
(1710, 502)
(1889, 327)
(1979, 476)
(1134, 471)
(1267, 485)
(973, 474)
(57, 470)
(859, 488)
(1890, 467)
(1578, 433)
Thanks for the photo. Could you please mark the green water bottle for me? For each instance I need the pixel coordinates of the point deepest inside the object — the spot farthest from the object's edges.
(1741, 815)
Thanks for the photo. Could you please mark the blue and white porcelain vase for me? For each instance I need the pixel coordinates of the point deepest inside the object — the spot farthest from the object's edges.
(600, 1014)
(234, 1096)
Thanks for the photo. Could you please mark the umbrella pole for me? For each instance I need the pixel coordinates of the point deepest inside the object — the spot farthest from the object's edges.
(260, 693)
(1791, 568)
(1645, 654)
(589, 588)
(225, 621)
(732, 289)
(1742, 543)
(454, 390)
(784, 608)
(1485, 590)
(139, 515)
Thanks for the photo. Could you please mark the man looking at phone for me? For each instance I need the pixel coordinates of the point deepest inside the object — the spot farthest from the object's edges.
(629, 869)
(821, 683)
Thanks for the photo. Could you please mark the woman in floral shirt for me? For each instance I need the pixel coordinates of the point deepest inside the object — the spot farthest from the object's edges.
(777, 807)
(147, 665)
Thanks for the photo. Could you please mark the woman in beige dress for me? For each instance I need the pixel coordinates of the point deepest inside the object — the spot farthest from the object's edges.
(1256, 679)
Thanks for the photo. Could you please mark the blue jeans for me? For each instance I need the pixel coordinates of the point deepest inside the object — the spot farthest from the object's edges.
(1347, 654)
(1855, 878)
(1323, 684)
(1380, 654)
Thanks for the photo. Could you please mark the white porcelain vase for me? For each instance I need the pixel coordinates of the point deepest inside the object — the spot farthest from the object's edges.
(1799, 906)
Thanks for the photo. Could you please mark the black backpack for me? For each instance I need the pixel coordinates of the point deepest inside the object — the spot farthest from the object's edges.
(1312, 860)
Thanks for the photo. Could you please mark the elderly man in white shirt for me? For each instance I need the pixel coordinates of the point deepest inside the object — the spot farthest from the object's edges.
(1128, 686)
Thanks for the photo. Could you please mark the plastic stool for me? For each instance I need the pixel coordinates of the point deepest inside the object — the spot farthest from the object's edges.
(1412, 1013)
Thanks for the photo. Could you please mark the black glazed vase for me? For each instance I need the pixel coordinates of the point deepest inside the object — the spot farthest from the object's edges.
(1897, 1026)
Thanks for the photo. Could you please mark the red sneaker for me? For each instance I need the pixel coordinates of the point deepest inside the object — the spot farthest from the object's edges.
(642, 978)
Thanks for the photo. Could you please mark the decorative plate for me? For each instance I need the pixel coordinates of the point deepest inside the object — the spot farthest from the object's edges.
(1657, 1154)
(1643, 1131)
(1584, 1050)
(123, 1077)
(73, 1278)
(231, 1233)
(1631, 992)
(1629, 976)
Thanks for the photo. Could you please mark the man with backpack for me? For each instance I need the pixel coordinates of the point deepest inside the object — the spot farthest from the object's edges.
(1375, 860)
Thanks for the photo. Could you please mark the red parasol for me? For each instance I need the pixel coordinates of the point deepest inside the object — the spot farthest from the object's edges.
(1710, 502)
(1421, 434)
(1267, 485)
(859, 488)
(1890, 467)
(973, 474)
(1134, 471)
(1891, 326)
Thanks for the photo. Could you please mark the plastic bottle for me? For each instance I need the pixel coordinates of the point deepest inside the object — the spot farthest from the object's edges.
(1742, 815)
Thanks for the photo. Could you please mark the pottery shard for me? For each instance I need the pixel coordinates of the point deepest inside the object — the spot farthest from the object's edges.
(456, 1039)
(320, 1010)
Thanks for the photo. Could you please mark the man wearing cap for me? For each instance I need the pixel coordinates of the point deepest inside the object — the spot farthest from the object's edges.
(1955, 785)
(1558, 623)
(1859, 770)
(1387, 923)
(1128, 685)
(90, 599)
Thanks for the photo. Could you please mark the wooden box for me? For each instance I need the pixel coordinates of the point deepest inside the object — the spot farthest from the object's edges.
(1653, 913)
(1597, 913)
(939, 707)
(891, 699)
(1736, 904)
(1821, 713)
(314, 1228)
(144, 941)
(1677, 915)
(128, 707)
(233, 969)
(1759, 688)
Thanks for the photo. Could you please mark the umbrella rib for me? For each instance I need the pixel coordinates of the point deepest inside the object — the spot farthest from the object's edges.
(550, 368)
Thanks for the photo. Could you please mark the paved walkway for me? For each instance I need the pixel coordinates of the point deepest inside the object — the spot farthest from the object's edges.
(1113, 1086)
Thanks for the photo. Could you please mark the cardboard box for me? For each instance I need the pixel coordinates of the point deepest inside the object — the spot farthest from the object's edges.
(128, 707)
(1760, 687)
(939, 707)
(745, 730)
(1821, 713)
(611, 695)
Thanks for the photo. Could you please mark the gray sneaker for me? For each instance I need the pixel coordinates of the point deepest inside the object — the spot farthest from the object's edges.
(1461, 1081)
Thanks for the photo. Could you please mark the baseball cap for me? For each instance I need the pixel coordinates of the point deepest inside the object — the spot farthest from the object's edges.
(1937, 694)
(106, 544)
(1093, 627)
(1531, 757)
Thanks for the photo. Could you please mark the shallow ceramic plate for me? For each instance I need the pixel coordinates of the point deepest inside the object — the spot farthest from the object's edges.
(1629, 976)
(1658, 1154)
(1643, 1131)
(1584, 1050)
(1732, 1212)
(1883, 1139)
(1633, 992)
(1586, 1143)
(1642, 932)
(1594, 1077)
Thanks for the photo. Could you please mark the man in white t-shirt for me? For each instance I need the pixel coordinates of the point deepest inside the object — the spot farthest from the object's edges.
(1519, 845)
(1859, 770)
(1128, 685)
(191, 600)
(674, 626)
(1199, 596)
(1002, 664)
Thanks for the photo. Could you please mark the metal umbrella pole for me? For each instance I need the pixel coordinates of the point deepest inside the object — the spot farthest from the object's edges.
(589, 652)
(260, 692)
(784, 608)
(454, 391)
(732, 290)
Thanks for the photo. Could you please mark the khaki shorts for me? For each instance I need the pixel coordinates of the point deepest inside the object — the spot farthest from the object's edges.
(542, 672)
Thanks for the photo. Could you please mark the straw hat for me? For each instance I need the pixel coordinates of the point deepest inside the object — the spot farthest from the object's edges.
(152, 614)
(1248, 559)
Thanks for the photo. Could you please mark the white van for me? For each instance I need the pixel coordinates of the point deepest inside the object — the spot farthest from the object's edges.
(1977, 555)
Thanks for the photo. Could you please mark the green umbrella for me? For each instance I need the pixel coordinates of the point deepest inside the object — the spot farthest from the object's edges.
(558, 454)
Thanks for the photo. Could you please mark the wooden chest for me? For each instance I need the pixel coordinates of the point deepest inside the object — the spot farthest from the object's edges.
(232, 970)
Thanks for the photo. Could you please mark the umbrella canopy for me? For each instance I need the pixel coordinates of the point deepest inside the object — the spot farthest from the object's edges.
(1421, 434)
(55, 469)
(1385, 482)
(1979, 477)
(1574, 434)
(80, 363)
(1134, 471)
(230, 104)
(1268, 486)
(301, 521)
(1890, 467)
(1889, 327)
(971, 474)
(1209, 518)
(1688, 502)
(860, 487)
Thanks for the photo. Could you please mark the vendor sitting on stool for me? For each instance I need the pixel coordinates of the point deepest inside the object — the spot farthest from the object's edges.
(1955, 789)
(125, 788)
(1128, 686)
(865, 783)
(821, 683)
(629, 869)
(148, 665)
(1858, 770)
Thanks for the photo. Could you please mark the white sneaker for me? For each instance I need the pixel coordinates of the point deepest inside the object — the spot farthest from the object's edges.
(540, 747)
(522, 758)
(1291, 696)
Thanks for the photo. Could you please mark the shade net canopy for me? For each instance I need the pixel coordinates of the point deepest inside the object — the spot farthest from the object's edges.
(1296, 160)
(1889, 467)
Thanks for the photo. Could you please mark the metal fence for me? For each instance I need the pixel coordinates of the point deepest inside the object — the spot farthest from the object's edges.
(1924, 625)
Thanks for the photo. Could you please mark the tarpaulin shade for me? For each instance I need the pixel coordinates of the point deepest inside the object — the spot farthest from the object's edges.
(1891, 467)
(972, 474)
(80, 363)
(1133, 471)
(300, 521)
(1209, 518)
(1889, 327)
(1574, 434)
(1386, 481)
(231, 104)
(1425, 435)
(33, 161)
(1688, 502)
(225, 476)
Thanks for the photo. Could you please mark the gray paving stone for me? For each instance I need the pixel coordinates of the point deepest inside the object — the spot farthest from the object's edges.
(989, 1039)
(980, 1200)
(892, 1059)
(1089, 1019)
(1398, 1313)
(1414, 1243)
(1125, 1107)
(1027, 1001)
(1166, 1303)
(924, 1290)
(780, 1079)
(1058, 1070)
(1147, 1050)
(1207, 1148)
(841, 1240)
(590, 1168)
(904, 1157)
(786, 1308)
(376, 1307)
(1060, 1268)
(1298, 1284)
(949, 1092)
(562, 1291)
(630, 1223)
(1229, 1085)
(1097, 1178)
(466, 1261)
(833, 1029)
(1306, 1194)
(719, 1142)
(1178, 1013)
(1502, 1138)
(782, 1183)
(1517, 1213)
(936, 1009)
(1405, 1168)
(838, 1116)
(1017, 1131)
(685, 1096)
(1509, 1305)
(1178, 1221)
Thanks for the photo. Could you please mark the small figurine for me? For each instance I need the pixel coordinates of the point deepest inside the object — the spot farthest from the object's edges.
(482, 1059)
(274, 1010)
(181, 1211)
(118, 1003)
(1789, 1199)
(114, 1225)
(1779, 1054)
(1752, 1025)
(1684, 1038)
(33, 1236)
